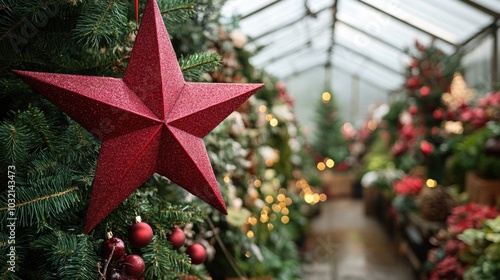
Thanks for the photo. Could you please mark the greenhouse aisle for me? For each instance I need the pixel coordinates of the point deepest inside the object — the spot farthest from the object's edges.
(345, 244)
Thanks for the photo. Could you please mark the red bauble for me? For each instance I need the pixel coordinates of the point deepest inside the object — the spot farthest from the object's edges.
(492, 146)
(413, 109)
(197, 253)
(140, 235)
(177, 238)
(413, 83)
(114, 274)
(107, 248)
(424, 91)
(438, 114)
(426, 147)
(150, 121)
(133, 266)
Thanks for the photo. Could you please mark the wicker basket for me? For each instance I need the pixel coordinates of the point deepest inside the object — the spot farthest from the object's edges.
(337, 184)
(482, 191)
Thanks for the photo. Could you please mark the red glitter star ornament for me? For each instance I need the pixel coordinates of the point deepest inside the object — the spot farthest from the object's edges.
(149, 121)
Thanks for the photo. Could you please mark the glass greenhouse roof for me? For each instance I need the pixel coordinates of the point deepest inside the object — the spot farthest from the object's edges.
(370, 35)
(366, 39)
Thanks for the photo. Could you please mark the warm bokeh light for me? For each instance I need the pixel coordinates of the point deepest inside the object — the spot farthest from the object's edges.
(308, 198)
(252, 220)
(270, 226)
(326, 97)
(329, 163)
(269, 199)
(262, 108)
(269, 117)
(321, 166)
(288, 201)
(431, 183)
(273, 122)
(257, 183)
(281, 197)
(285, 211)
(276, 208)
(264, 218)
(372, 125)
(250, 234)
(248, 254)
(323, 197)
(227, 179)
(285, 219)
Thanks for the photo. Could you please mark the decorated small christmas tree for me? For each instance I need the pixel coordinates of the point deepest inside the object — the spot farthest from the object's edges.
(328, 141)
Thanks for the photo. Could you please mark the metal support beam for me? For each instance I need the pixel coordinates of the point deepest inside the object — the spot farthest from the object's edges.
(376, 38)
(486, 31)
(287, 24)
(370, 59)
(332, 44)
(494, 62)
(260, 9)
(407, 23)
(354, 96)
(481, 8)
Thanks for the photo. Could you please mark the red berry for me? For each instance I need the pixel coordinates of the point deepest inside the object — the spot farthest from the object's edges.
(197, 253)
(424, 91)
(426, 147)
(438, 114)
(413, 109)
(140, 235)
(413, 83)
(133, 266)
(107, 248)
(177, 238)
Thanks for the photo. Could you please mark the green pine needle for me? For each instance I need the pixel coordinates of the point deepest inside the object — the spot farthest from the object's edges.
(163, 262)
(194, 66)
(101, 23)
(176, 11)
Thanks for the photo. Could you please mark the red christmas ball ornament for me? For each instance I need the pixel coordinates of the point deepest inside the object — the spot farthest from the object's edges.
(107, 247)
(114, 274)
(413, 83)
(140, 234)
(438, 114)
(133, 266)
(426, 147)
(399, 148)
(413, 109)
(197, 253)
(177, 238)
(424, 91)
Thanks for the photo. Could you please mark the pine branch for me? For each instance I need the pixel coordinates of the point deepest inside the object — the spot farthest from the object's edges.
(15, 142)
(163, 262)
(68, 256)
(101, 23)
(49, 198)
(195, 65)
(176, 11)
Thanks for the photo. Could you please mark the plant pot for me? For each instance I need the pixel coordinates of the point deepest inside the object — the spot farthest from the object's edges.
(337, 184)
(482, 191)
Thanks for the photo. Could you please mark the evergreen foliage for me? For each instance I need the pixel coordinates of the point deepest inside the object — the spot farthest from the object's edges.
(328, 141)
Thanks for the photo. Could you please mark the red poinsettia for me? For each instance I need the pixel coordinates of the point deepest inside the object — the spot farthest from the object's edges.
(470, 215)
(408, 185)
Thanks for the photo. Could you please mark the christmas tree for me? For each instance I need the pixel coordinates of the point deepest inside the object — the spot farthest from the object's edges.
(50, 160)
(328, 141)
